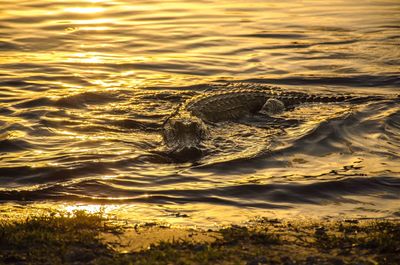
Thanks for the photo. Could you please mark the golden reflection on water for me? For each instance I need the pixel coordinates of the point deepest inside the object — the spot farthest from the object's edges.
(84, 10)
(74, 50)
(89, 57)
(190, 39)
(90, 208)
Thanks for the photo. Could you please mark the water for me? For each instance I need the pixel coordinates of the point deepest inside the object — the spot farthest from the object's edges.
(86, 85)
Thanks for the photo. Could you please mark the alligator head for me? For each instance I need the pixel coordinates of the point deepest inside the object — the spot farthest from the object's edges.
(183, 134)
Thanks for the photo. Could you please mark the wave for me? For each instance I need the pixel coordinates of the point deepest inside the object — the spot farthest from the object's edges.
(353, 80)
(266, 196)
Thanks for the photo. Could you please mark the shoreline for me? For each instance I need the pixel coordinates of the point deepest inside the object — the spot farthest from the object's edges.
(91, 238)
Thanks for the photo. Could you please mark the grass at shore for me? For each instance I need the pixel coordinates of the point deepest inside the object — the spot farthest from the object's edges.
(79, 239)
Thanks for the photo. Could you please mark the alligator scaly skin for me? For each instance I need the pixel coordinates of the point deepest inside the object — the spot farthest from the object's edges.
(236, 104)
(184, 130)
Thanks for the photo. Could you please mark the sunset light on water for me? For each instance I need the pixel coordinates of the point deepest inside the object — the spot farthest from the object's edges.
(146, 111)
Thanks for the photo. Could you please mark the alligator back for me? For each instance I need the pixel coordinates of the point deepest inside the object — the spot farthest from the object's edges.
(235, 104)
(227, 105)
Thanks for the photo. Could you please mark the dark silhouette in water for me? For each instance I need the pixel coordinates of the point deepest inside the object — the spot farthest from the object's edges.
(184, 130)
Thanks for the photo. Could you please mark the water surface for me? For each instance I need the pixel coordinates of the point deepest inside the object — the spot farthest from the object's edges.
(86, 85)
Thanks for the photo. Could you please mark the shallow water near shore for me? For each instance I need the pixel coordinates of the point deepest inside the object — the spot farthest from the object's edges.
(86, 85)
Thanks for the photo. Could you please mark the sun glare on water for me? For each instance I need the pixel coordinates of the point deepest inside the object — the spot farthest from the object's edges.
(84, 10)
(86, 87)
(89, 208)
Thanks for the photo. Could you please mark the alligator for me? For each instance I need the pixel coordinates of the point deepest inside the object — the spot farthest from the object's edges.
(185, 129)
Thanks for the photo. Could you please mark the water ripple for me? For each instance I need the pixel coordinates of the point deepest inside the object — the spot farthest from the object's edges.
(85, 87)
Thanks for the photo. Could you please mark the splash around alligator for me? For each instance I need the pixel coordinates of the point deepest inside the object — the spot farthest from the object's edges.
(189, 125)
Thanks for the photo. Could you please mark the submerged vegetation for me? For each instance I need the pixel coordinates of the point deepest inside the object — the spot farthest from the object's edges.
(78, 239)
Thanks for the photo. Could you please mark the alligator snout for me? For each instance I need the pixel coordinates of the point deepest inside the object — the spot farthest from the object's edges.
(186, 153)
